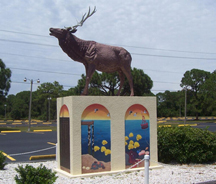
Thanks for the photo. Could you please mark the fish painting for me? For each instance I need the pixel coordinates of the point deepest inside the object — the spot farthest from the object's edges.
(138, 137)
(104, 142)
(96, 148)
(103, 148)
(131, 134)
(107, 152)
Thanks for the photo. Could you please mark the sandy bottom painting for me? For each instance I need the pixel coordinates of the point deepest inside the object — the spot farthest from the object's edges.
(95, 139)
(136, 135)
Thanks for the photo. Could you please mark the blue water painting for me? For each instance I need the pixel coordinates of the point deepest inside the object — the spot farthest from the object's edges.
(134, 126)
(101, 132)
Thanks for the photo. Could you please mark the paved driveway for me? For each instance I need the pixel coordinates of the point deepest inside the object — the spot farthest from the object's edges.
(21, 146)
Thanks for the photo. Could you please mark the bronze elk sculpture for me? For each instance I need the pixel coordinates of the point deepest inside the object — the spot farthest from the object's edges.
(93, 55)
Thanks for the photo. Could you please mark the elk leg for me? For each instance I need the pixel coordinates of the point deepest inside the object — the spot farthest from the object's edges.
(127, 72)
(122, 79)
(89, 72)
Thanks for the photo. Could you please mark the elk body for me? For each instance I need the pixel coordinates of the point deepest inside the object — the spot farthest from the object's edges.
(94, 56)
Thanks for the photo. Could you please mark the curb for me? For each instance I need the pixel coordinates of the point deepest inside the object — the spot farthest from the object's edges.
(37, 157)
(165, 126)
(187, 125)
(47, 123)
(15, 131)
(42, 131)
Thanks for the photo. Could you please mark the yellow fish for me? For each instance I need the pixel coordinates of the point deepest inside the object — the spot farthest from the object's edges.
(107, 152)
(96, 148)
(104, 142)
(130, 146)
(126, 143)
(103, 149)
(126, 138)
(131, 134)
(131, 142)
(136, 145)
(138, 137)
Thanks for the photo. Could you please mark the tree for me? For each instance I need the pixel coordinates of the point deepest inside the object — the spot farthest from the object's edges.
(208, 90)
(142, 84)
(5, 74)
(20, 105)
(68, 92)
(10, 100)
(170, 104)
(41, 101)
(194, 80)
(101, 84)
(107, 84)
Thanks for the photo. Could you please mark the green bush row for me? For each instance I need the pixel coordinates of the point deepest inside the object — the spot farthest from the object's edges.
(186, 145)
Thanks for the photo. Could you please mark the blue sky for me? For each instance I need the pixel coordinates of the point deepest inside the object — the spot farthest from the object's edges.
(165, 38)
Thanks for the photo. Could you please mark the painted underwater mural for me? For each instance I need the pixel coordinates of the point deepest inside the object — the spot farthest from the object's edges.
(136, 135)
(95, 139)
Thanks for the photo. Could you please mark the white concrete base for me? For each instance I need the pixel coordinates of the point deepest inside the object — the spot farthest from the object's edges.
(117, 107)
(64, 173)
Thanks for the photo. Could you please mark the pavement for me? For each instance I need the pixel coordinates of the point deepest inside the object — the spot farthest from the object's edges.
(28, 146)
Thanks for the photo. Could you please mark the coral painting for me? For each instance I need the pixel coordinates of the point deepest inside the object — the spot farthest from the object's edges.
(95, 139)
(136, 135)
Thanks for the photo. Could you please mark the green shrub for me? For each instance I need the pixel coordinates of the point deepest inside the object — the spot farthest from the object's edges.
(2, 161)
(39, 175)
(186, 145)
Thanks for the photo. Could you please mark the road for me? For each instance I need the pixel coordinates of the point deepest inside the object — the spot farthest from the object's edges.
(21, 146)
(210, 126)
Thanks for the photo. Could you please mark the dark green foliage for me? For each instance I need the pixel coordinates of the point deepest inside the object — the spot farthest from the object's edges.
(186, 145)
(39, 175)
(194, 80)
(170, 104)
(2, 161)
(142, 84)
(5, 74)
(40, 102)
(107, 84)
(20, 105)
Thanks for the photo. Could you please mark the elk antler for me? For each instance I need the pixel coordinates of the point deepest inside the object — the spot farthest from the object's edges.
(84, 18)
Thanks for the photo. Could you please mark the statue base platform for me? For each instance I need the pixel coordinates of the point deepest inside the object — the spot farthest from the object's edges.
(104, 134)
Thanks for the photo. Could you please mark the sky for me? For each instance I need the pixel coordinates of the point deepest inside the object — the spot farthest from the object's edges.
(166, 38)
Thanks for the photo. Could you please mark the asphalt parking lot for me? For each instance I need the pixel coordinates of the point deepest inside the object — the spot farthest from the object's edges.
(209, 126)
(20, 147)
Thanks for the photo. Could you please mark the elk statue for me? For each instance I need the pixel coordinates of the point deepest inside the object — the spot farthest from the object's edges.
(93, 55)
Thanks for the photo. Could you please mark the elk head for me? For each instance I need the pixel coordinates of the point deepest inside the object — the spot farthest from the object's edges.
(61, 33)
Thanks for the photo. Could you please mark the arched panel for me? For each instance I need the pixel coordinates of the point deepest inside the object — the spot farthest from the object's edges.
(64, 138)
(95, 139)
(64, 113)
(136, 135)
